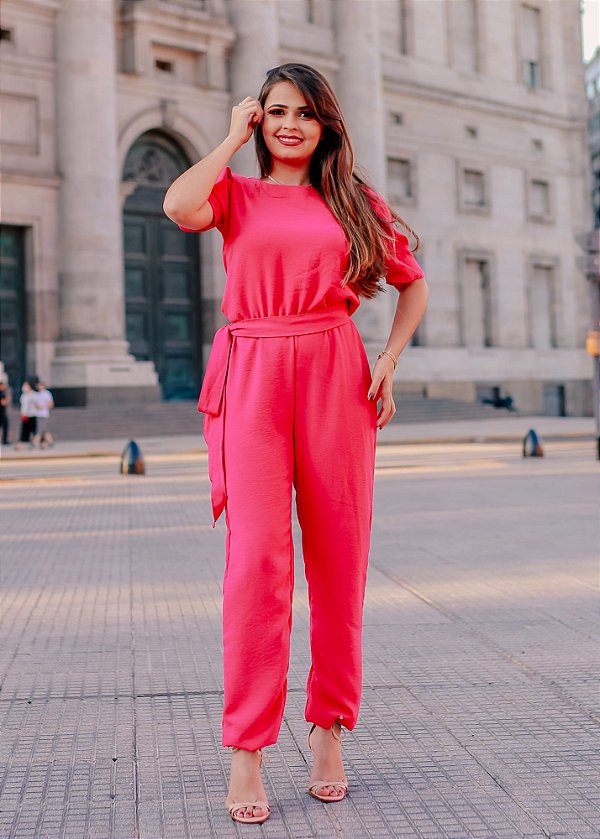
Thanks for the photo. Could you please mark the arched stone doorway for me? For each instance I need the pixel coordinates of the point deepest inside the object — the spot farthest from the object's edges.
(162, 277)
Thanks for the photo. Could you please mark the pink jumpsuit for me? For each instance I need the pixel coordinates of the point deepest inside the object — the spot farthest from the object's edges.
(285, 403)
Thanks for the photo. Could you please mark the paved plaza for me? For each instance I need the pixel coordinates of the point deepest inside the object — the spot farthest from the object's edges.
(480, 712)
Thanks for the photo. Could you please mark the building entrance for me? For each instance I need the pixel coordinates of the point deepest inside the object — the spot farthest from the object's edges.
(12, 305)
(162, 277)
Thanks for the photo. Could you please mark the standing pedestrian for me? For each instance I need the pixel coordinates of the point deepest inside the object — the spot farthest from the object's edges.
(289, 399)
(5, 400)
(28, 418)
(44, 403)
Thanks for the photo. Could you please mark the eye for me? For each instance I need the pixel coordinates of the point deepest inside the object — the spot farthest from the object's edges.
(278, 111)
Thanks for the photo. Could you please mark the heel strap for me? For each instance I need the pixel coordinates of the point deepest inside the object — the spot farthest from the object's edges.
(338, 736)
(312, 728)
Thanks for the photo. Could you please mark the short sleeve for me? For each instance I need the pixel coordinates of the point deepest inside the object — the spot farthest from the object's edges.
(401, 266)
(220, 200)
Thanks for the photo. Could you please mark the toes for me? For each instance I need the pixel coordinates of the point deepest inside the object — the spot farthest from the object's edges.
(331, 791)
(251, 812)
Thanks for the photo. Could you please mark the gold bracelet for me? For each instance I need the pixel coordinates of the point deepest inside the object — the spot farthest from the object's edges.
(387, 352)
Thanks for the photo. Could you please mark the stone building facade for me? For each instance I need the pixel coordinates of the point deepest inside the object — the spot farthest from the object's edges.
(592, 85)
(469, 115)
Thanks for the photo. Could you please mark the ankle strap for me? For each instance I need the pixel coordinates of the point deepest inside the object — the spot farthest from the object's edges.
(341, 730)
(264, 757)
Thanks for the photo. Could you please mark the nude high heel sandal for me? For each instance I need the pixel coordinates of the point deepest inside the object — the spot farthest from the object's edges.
(319, 784)
(235, 806)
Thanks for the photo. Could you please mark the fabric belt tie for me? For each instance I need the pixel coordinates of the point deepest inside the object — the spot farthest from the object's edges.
(212, 393)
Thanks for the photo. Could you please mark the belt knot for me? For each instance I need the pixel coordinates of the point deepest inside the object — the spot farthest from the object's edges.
(212, 392)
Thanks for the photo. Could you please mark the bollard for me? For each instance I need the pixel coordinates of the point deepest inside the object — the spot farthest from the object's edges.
(532, 445)
(132, 461)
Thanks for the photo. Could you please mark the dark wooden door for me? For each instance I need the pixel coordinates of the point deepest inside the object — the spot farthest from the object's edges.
(162, 284)
(12, 305)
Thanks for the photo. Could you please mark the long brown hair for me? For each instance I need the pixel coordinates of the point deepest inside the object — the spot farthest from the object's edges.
(334, 174)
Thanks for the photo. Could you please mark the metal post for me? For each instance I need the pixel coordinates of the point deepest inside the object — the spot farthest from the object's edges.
(590, 264)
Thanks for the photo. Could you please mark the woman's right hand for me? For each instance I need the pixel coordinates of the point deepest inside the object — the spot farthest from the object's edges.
(243, 118)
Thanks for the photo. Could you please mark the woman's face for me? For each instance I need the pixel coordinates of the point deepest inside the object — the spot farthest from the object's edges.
(291, 130)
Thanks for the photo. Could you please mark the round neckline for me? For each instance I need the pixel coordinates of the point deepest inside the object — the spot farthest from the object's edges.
(266, 182)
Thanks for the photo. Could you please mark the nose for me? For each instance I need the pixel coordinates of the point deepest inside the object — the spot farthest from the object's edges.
(291, 122)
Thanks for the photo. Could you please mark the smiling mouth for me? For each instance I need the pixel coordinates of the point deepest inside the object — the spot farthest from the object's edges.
(289, 141)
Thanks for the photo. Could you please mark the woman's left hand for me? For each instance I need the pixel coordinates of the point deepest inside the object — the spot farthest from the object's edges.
(381, 388)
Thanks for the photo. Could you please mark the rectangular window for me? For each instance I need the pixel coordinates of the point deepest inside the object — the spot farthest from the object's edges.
(554, 400)
(418, 336)
(402, 27)
(188, 66)
(476, 303)
(531, 45)
(13, 304)
(539, 199)
(596, 188)
(164, 66)
(392, 22)
(464, 35)
(473, 188)
(542, 315)
(400, 180)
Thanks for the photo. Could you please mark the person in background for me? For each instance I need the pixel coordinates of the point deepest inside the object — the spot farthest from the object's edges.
(5, 400)
(28, 418)
(44, 403)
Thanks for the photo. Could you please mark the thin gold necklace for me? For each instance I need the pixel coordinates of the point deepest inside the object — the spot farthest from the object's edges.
(280, 184)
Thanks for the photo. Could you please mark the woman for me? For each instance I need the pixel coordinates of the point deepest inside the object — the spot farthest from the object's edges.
(44, 402)
(28, 414)
(5, 400)
(289, 399)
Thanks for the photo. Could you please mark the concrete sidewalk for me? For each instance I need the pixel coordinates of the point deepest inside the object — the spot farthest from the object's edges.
(504, 428)
(479, 715)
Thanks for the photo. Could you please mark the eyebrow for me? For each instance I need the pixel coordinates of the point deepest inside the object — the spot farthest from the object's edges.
(300, 108)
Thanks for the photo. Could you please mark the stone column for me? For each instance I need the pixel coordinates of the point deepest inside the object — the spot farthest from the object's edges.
(92, 362)
(255, 51)
(359, 88)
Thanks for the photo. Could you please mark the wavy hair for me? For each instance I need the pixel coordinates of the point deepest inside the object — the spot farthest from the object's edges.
(333, 173)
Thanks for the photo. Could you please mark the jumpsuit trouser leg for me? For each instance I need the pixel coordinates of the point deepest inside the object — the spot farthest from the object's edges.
(335, 441)
(295, 411)
(259, 561)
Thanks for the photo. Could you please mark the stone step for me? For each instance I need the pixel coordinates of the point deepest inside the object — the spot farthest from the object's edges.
(164, 418)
